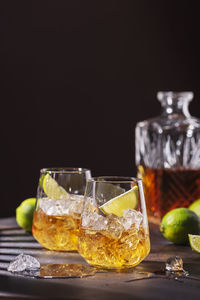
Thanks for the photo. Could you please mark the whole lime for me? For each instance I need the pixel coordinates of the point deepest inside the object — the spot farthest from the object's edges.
(178, 223)
(24, 213)
(195, 206)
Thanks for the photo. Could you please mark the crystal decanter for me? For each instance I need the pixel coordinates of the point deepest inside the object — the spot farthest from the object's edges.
(168, 155)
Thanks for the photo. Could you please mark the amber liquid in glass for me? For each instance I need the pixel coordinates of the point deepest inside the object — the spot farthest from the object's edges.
(56, 232)
(168, 189)
(102, 250)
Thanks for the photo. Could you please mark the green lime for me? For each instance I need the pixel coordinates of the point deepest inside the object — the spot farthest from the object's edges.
(52, 189)
(195, 206)
(195, 242)
(118, 204)
(178, 223)
(24, 213)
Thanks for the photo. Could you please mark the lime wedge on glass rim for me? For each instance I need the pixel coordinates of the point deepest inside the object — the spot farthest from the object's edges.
(194, 242)
(52, 189)
(118, 204)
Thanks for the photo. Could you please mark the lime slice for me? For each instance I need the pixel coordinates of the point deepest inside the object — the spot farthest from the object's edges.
(194, 242)
(52, 189)
(118, 204)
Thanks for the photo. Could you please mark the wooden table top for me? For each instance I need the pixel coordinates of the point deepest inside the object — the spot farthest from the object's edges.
(141, 283)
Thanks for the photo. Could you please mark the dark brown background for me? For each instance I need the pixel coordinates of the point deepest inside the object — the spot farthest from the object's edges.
(76, 76)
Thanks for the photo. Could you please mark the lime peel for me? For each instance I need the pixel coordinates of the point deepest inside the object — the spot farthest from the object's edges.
(120, 203)
(178, 223)
(195, 206)
(24, 213)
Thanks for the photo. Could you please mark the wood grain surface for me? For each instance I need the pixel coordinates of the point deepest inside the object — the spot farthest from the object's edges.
(143, 282)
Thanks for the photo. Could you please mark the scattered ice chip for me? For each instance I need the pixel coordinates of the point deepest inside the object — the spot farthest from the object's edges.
(24, 262)
(174, 264)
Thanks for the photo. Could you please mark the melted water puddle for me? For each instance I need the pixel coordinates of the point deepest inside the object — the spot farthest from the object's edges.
(26, 265)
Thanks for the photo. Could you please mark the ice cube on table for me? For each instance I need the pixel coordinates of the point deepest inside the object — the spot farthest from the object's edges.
(23, 262)
(174, 264)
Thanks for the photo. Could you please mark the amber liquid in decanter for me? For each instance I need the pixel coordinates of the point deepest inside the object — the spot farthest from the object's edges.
(167, 189)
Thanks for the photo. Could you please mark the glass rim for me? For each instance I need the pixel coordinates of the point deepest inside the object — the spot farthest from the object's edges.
(114, 179)
(64, 170)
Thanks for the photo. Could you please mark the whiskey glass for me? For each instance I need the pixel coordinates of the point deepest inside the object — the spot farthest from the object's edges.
(59, 203)
(114, 230)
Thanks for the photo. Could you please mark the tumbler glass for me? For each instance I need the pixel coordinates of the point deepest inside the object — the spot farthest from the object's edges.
(114, 230)
(59, 203)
